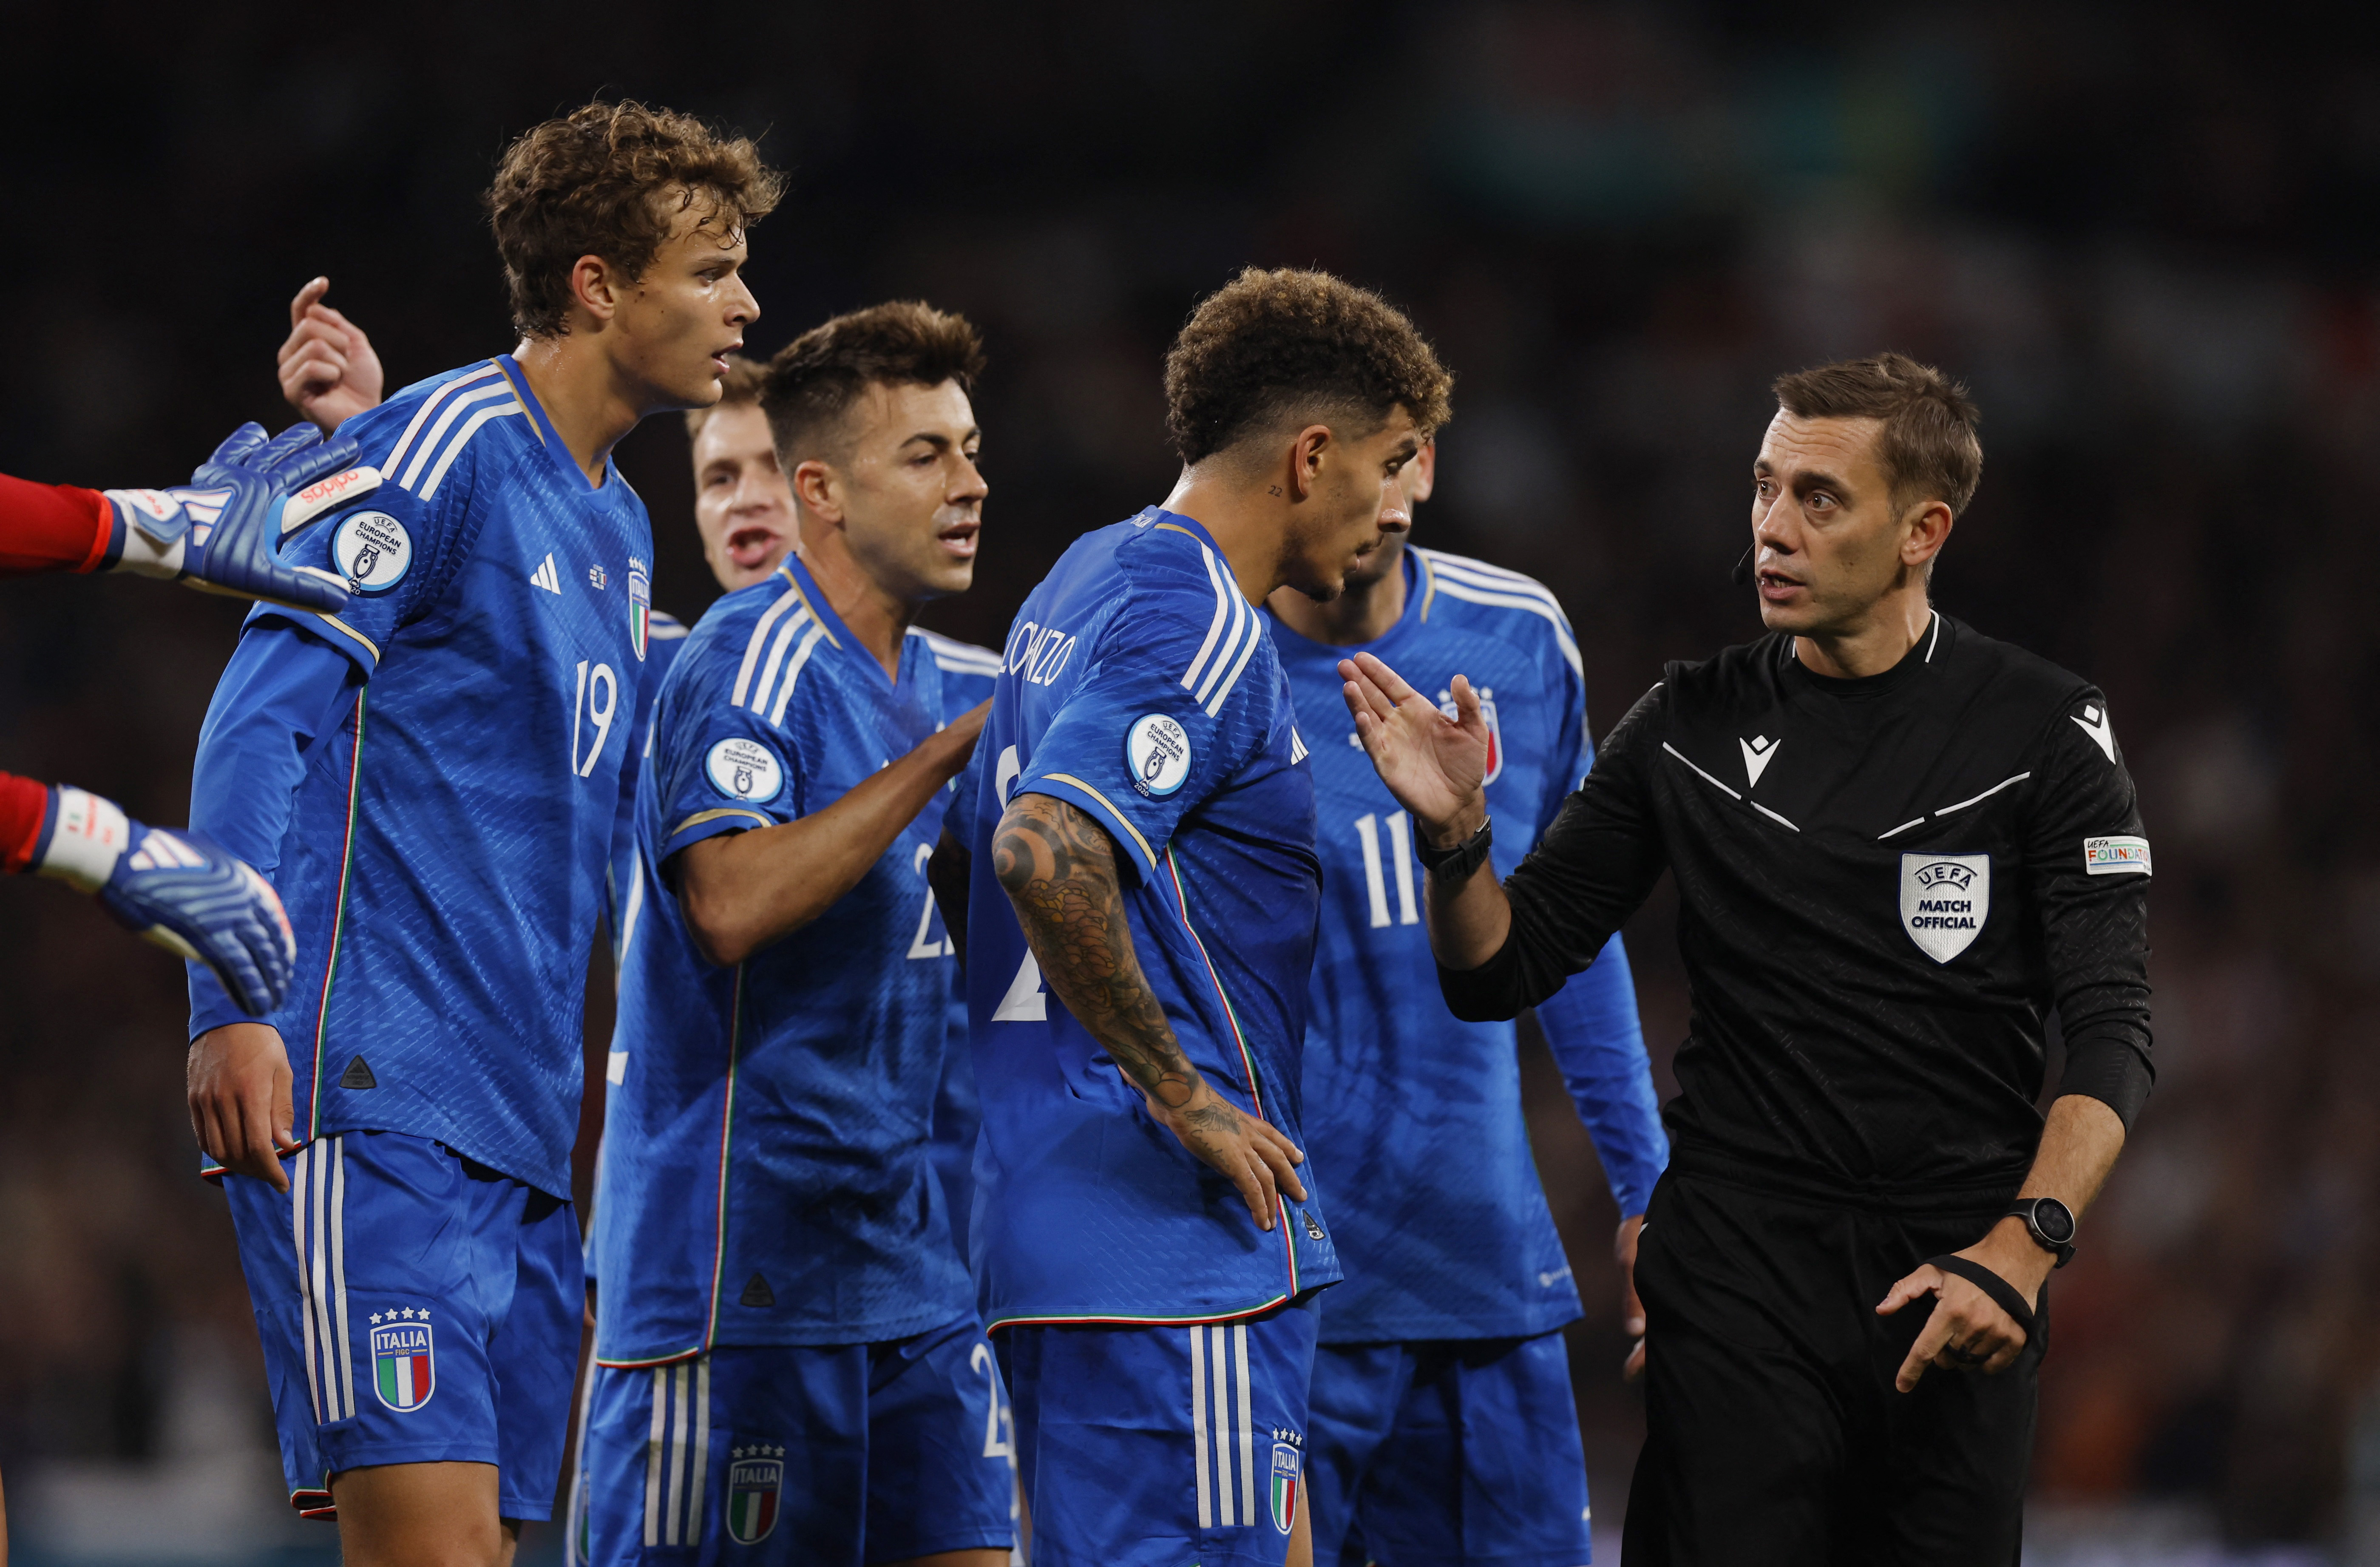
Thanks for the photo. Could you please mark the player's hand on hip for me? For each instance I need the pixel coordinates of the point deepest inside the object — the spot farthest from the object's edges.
(240, 1108)
(329, 372)
(1252, 1154)
(1433, 764)
(1631, 1309)
(1968, 1331)
(221, 531)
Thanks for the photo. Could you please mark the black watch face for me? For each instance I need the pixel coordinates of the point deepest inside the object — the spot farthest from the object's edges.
(2055, 1221)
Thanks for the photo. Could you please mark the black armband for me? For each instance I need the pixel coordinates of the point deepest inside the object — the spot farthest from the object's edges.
(2003, 1293)
(1456, 866)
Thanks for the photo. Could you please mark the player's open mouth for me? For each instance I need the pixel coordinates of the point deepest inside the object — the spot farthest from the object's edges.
(750, 547)
(959, 539)
(1775, 587)
(719, 360)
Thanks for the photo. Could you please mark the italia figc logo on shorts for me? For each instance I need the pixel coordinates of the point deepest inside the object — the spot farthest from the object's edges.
(1157, 752)
(1944, 901)
(405, 1360)
(754, 1485)
(372, 550)
(1284, 1485)
(744, 770)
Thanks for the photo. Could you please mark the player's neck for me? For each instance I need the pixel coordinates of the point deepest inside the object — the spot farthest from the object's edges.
(1872, 644)
(1247, 527)
(874, 615)
(588, 402)
(1365, 612)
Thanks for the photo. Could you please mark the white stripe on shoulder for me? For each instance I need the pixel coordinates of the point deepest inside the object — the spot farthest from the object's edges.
(1215, 626)
(429, 407)
(1256, 633)
(794, 672)
(1455, 588)
(788, 599)
(1241, 639)
(956, 657)
(793, 628)
(426, 451)
(660, 627)
(1495, 578)
(463, 439)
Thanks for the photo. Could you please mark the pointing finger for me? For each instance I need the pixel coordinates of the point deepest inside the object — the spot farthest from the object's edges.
(1923, 1282)
(314, 290)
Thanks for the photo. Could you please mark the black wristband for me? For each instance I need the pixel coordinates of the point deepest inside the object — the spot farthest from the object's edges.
(2003, 1293)
(1456, 864)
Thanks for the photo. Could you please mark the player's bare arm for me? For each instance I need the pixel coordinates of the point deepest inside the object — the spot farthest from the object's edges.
(1059, 868)
(947, 875)
(742, 891)
(1433, 765)
(1968, 1331)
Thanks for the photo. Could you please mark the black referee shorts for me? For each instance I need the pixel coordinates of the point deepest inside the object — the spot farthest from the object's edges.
(1774, 1435)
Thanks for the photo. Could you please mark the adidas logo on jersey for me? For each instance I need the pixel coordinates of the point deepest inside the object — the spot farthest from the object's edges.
(545, 577)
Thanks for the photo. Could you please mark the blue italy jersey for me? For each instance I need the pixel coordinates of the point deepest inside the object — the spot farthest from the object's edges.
(623, 893)
(1418, 1113)
(1139, 685)
(968, 675)
(444, 855)
(766, 1175)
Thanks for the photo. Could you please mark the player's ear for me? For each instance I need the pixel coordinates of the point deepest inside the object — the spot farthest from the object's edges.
(595, 286)
(818, 489)
(1307, 455)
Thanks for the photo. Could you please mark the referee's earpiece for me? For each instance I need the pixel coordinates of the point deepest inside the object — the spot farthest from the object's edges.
(1743, 573)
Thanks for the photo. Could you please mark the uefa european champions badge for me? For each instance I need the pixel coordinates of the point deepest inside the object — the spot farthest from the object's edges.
(405, 1367)
(1284, 1485)
(754, 1488)
(641, 606)
(1944, 901)
(1157, 752)
(372, 550)
(744, 770)
(1488, 716)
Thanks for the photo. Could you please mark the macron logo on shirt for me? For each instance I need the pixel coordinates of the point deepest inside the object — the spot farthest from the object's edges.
(545, 577)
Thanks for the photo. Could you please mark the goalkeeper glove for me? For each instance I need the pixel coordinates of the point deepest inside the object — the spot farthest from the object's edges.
(219, 531)
(176, 889)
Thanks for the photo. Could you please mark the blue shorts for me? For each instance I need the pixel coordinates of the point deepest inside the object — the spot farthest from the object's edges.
(416, 1307)
(764, 1456)
(1159, 1446)
(1452, 1452)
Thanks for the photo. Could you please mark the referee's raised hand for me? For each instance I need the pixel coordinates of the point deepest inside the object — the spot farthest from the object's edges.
(1433, 764)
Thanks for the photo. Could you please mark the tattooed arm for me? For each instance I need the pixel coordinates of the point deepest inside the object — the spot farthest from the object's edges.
(1060, 869)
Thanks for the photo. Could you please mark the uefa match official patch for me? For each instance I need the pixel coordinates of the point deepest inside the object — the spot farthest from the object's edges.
(372, 550)
(2116, 856)
(1157, 750)
(1944, 901)
(744, 770)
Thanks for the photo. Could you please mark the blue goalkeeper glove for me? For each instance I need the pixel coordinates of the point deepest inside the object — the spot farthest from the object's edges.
(176, 889)
(218, 532)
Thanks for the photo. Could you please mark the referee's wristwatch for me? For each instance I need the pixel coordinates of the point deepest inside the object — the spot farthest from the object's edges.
(2051, 1225)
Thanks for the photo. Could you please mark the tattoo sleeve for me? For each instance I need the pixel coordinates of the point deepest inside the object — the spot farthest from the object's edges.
(1060, 869)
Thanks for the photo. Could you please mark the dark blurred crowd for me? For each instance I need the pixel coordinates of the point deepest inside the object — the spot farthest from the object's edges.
(2146, 238)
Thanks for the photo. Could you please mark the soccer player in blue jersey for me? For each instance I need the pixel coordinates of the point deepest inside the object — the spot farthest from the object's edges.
(789, 1364)
(1444, 1429)
(433, 774)
(1141, 849)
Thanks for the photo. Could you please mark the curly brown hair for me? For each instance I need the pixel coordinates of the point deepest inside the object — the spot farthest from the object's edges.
(610, 180)
(1268, 345)
(815, 379)
(1927, 449)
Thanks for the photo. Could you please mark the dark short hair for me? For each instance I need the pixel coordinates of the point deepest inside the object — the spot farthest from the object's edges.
(1927, 447)
(609, 180)
(742, 385)
(815, 379)
(1268, 345)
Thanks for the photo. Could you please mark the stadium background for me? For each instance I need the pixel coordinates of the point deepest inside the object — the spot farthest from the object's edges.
(2144, 236)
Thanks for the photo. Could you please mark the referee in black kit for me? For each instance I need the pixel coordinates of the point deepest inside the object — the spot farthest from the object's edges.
(1898, 843)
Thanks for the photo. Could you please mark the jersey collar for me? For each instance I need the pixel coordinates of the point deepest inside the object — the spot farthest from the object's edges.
(794, 571)
(554, 450)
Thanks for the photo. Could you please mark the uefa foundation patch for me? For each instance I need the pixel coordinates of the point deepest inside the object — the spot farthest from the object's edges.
(2116, 856)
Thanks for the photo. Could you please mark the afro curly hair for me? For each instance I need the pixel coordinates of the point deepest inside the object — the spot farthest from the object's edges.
(1270, 345)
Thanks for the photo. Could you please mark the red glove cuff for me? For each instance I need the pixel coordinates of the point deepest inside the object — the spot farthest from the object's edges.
(23, 804)
(52, 528)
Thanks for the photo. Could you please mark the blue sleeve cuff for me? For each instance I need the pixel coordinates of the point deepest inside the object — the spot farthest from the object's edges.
(1592, 1026)
(1075, 792)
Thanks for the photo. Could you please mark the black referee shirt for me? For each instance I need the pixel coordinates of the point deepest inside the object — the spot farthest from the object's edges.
(1883, 884)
